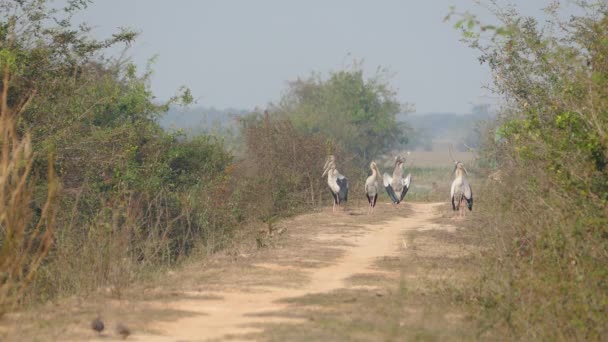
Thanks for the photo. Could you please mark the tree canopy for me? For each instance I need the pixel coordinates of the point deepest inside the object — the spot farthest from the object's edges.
(357, 113)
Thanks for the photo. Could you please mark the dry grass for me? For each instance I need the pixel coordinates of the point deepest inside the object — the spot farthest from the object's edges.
(438, 158)
(25, 238)
(541, 274)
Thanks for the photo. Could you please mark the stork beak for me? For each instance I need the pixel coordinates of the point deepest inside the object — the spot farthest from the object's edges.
(326, 167)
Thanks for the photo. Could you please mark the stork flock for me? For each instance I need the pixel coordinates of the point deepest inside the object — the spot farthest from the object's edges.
(396, 185)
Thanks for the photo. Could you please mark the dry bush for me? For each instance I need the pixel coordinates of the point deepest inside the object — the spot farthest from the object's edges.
(544, 214)
(280, 172)
(132, 236)
(25, 237)
(544, 273)
(113, 248)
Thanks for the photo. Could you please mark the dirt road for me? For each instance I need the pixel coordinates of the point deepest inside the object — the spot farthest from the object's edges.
(328, 276)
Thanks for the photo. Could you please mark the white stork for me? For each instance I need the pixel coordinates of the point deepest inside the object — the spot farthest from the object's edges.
(338, 185)
(461, 189)
(371, 186)
(397, 186)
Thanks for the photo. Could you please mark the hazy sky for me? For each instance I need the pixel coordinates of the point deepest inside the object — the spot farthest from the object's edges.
(241, 53)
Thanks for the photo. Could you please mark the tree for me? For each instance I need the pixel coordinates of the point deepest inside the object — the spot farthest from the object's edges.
(358, 114)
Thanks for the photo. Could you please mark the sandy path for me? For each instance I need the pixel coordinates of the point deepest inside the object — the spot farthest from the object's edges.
(241, 310)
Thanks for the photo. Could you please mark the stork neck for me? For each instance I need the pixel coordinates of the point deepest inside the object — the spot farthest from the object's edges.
(374, 172)
(331, 173)
(398, 171)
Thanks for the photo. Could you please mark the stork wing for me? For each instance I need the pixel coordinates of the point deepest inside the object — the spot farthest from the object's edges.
(468, 194)
(407, 180)
(343, 184)
(387, 179)
(371, 185)
(452, 195)
(406, 185)
(391, 194)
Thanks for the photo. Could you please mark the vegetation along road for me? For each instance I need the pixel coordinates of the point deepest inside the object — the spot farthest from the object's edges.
(115, 223)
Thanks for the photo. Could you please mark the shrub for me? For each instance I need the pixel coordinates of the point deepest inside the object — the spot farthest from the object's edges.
(282, 167)
(132, 197)
(545, 274)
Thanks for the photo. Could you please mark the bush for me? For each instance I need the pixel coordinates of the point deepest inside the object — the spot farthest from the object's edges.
(359, 115)
(545, 275)
(132, 197)
(281, 172)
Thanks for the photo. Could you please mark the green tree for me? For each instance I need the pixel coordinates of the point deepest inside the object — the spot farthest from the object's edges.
(358, 114)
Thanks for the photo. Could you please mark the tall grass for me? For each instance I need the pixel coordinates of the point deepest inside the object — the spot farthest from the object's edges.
(25, 237)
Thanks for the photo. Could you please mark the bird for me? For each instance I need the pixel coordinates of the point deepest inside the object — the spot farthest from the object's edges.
(338, 184)
(396, 186)
(371, 186)
(123, 330)
(97, 325)
(461, 189)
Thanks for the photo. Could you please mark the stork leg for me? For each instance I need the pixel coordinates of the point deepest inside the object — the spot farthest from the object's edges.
(463, 206)
(457, 214)
(374, 201)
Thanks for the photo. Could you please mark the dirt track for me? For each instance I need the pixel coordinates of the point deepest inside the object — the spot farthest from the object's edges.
(328, 276)
(238, 311)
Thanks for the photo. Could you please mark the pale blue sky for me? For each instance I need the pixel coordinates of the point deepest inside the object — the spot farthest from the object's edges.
(241, 53)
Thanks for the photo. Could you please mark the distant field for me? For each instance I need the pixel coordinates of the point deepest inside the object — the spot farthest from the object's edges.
(437, 158)
(431, 172)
